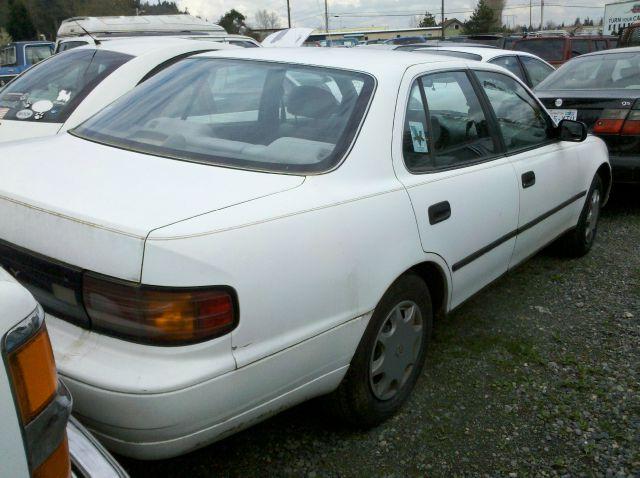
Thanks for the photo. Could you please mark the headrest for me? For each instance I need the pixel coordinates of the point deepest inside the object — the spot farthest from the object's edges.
(312, 102)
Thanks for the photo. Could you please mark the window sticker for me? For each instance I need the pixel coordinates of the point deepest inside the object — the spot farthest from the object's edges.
(24, 114)
(419, 137)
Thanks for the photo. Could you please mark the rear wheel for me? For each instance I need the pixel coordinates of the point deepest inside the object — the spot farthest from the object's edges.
(390, 356)
(578, 242)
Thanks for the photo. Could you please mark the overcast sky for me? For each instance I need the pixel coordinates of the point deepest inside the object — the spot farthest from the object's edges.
(354, 13)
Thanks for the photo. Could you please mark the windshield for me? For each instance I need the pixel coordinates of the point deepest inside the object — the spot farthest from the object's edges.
(8, 56)
(601, 72)
(550, 49)
(238, 113)
(50, 91)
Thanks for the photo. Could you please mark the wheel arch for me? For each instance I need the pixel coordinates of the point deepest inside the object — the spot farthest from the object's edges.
(604, 171)
(437, 281)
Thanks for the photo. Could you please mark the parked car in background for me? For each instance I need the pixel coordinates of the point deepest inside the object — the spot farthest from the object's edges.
(603, 91)
(405, 40)
(558, 49)
(529, 68)
(38, 438)
(80, 31)
(19, 56)
(426, 44)
(292, 206)
(66, 89)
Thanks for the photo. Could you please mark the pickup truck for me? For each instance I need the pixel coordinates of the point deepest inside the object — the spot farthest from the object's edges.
(38, 437)
(17, 57)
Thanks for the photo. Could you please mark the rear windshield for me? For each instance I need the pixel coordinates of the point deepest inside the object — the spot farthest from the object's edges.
(550, 49)
(36, 53)
(239, 113)
(50, 91)
(606, 71)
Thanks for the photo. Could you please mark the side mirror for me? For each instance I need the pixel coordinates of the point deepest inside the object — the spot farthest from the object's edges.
(575, 131)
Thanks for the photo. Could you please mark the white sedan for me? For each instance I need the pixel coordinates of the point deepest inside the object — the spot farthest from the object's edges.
(61, 92)
(529, 68)
(253, 228)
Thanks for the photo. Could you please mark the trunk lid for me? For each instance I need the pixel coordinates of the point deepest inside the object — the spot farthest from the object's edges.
(86, 206)
(590, 105)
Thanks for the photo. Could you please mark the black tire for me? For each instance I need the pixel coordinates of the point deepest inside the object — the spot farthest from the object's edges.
(355, 401)
(578, 241)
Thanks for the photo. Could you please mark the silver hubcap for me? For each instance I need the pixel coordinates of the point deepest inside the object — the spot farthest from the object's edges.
(592, 216)
(396, 350)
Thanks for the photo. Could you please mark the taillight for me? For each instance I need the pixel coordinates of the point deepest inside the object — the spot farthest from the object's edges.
(610, 121)
(158, 315)
(44, 404)
(632, 124)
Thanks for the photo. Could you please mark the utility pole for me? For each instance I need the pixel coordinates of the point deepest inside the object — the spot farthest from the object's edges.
(530, 7)
(442, 18)
(541, 14)
(289, 13)
(326, 16)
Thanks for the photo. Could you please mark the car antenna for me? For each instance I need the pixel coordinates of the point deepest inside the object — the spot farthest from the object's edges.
(95, 40)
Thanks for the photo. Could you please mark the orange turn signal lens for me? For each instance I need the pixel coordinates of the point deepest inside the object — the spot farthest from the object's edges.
(33, 373)
(57, 465)
(158, 315)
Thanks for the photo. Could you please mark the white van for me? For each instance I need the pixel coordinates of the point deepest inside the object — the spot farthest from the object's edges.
(80, 31)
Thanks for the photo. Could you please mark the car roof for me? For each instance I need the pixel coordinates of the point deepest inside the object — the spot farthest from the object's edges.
(486, 53)
(35, 42)
(138, 46)
(368, 60)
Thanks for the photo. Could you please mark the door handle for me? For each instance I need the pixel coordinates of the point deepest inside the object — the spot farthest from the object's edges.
(439, 212)
(528, 179)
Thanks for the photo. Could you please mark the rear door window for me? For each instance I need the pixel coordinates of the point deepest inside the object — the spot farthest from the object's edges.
(536, 69)
(600, 45)
(511, 64)
(52, 90)
(456, 133)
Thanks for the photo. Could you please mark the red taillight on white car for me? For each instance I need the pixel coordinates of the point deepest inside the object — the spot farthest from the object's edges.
(44, 405)
(158, 315)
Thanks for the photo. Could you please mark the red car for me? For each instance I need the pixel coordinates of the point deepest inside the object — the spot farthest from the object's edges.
(557, 50)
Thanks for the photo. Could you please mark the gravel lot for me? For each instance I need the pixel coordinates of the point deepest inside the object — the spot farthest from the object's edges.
(539, 375)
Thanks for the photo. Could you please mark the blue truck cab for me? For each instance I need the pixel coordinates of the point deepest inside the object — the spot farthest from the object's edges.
(18, 56)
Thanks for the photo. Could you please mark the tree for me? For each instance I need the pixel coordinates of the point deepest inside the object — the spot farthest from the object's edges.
(577, 22)
(482, 20)
(428, 21)
(233, 22)
(266, 20)
(19, 23)
(4, 37)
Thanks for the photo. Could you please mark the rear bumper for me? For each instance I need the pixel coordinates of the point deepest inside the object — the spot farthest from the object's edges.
(89, 458)
(626, 169)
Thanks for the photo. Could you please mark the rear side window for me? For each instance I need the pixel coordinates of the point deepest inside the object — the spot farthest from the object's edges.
(579, 47)
(536, 69)
(52, 90)
(36, 53)
(8, 56)
(456, 133)
(522, 121)
(549, 49)
(600, 45)
(511, 64)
